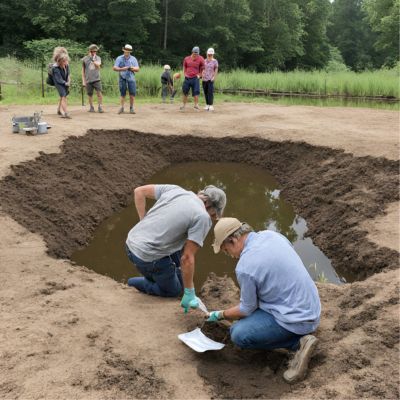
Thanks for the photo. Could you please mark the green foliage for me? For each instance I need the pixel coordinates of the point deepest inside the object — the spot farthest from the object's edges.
(43, 49)
(351, 34)
(56, 18)
(384, 17)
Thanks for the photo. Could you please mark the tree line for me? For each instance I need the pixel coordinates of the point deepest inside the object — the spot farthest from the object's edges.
(260, 35)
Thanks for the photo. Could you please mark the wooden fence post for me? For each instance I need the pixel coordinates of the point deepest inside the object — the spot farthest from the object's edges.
(42, 78)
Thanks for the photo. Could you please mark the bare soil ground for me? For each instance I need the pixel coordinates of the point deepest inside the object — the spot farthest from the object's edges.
(67, 332)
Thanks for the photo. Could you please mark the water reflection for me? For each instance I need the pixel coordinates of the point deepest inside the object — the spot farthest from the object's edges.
(253, 196)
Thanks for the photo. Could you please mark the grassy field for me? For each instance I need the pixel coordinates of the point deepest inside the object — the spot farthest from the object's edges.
(24, 84)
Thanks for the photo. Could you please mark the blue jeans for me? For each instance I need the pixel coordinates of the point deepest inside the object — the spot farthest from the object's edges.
(123, 83)
(260, 331)
(161, 277)
(192, 83)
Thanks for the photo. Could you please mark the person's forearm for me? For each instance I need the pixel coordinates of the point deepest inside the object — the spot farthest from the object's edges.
(187, 272)
(233, 313)
(140, 202)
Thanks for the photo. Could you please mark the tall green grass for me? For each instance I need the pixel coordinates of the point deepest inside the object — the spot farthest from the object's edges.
(382, 82)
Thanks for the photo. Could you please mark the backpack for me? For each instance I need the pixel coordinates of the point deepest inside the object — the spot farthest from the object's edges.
(49, 79)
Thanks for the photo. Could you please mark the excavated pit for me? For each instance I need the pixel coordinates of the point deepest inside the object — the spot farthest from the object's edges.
(64, 196)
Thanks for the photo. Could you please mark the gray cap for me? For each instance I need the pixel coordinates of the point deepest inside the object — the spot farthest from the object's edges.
(216, 196)
(196, 50)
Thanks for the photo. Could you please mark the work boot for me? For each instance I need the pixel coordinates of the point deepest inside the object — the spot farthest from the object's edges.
(299, 364)
(132, 111)
(91, 109)
(121, 110)
(100, 109)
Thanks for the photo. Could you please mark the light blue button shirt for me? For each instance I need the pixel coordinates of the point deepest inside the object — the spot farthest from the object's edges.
(273, 278)
(122, 62)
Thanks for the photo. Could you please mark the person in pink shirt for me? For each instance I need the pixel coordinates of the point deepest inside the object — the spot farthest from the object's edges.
(209, 74)
(193, 66)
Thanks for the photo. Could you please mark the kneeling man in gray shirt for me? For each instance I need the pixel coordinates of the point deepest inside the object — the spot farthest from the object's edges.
(168, 237)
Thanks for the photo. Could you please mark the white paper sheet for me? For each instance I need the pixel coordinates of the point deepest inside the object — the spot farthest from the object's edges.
(199, 342)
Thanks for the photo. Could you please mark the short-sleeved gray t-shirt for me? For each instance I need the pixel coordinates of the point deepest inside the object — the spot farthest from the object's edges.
(92, 74)
(178, 215)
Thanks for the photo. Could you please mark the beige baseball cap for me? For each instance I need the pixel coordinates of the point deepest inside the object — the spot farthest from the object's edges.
(223, 228)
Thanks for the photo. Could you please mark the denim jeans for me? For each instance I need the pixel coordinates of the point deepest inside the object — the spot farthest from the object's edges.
(123, 83)
(261, 331)
(161, 277)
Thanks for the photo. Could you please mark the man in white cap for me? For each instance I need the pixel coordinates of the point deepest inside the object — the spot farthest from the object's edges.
(127, 65)
(193, 66)
(279, 303)
(168, 236)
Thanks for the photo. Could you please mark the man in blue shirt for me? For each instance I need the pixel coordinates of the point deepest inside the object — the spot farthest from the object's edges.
(127, 65)
(279, 303)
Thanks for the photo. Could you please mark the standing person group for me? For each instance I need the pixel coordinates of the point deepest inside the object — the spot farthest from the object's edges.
(62, 79)
(127, 65)
(195, 67)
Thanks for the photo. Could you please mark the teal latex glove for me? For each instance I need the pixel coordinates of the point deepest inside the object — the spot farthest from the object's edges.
(189, 300)
(215, 316)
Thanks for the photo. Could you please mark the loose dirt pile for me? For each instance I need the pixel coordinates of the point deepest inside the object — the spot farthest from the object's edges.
(69, 333)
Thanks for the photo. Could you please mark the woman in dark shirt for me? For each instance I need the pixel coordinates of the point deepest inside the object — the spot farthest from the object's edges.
(62, 80)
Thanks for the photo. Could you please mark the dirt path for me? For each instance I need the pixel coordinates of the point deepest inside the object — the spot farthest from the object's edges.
(69, 333)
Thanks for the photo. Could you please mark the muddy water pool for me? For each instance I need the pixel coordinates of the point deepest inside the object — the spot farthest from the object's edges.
(253, 196)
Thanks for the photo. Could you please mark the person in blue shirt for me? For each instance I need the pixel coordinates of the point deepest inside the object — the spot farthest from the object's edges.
(279, 302)
(127, 65)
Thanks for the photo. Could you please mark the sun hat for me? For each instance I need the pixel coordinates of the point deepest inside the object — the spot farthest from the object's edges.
(93, 47)
(166, 66)
(196, 50)
(217, 197)
(210, 51)
(223, 228)
(127, 47)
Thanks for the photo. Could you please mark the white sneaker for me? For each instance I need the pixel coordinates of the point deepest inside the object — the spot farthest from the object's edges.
(210, 108)
(206, 107)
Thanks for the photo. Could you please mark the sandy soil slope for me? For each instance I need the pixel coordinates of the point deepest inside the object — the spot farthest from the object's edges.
(69, 333)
